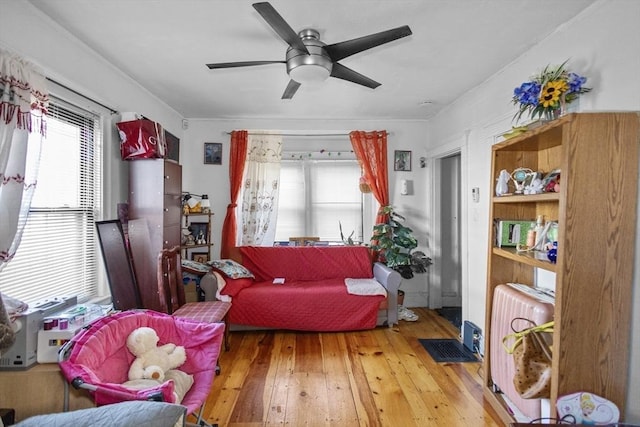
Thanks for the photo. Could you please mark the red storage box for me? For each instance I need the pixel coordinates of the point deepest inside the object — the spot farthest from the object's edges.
(141, 139)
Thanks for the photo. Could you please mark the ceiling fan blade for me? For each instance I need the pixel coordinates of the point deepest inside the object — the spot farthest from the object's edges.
(339, 71)
(242, 64)
(291, 89)
(280, 26)
(338, 51)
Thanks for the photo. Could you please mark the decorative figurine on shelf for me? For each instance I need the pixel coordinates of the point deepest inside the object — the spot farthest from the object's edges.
(502, 186)
(200, 240)
(553, 186)
(551, 181)
(185, 235)
(552, 253)
(520, 177)
(206, 204)
(535, 186)
(197, 208)
(188, 236)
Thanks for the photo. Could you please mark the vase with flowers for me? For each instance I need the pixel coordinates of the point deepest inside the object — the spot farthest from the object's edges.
(546, 94)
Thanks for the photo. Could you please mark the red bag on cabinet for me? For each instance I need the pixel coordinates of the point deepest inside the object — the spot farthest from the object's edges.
(141, 139)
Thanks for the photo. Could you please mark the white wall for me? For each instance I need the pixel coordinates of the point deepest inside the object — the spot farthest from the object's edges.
(603, 43)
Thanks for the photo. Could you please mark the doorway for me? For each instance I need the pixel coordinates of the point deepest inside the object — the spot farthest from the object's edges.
(450, 235)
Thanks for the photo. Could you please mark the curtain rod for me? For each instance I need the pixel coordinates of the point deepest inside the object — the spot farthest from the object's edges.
(111, 110)
(298, 134)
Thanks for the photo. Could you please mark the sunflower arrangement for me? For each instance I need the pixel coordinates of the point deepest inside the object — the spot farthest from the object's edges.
(548, 92)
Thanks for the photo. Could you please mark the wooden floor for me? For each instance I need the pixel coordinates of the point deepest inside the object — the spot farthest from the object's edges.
(381, 377)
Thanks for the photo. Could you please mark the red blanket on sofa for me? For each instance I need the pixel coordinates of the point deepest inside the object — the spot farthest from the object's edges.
(313, 296)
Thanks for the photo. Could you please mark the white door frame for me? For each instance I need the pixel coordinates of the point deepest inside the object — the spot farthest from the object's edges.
(459, 146)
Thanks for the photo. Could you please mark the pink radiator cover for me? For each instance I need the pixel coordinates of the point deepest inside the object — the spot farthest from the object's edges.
(509, 303)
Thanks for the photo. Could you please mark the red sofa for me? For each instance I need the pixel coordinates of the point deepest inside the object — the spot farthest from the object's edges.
(314, 296)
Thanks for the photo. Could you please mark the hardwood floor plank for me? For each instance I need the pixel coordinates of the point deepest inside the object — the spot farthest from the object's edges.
(379, 377)
(387, 391)
(257, 390)
(342, 408)
(227, 386)
(362, 396)
(417, 383)
(283, 363)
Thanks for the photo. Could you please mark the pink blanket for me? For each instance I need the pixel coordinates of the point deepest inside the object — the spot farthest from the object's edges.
(313, 296)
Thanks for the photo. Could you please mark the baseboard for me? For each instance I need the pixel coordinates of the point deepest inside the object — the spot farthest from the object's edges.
(416, 299)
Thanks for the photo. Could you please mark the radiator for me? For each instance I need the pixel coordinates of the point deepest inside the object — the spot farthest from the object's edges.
(509, 302)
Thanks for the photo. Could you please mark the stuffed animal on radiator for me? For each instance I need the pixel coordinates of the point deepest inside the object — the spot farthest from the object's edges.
(152, 361)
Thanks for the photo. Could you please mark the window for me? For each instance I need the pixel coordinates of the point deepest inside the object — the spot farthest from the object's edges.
(58, 254)
(316, 196)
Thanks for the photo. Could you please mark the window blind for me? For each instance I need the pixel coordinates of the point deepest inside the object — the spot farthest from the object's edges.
(58, 254)
(316, 196)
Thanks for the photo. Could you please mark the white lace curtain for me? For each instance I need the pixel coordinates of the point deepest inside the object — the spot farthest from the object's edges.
(260, 190)
(23, 104)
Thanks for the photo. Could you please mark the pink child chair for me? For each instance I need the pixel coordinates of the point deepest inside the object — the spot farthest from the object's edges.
(97, 359)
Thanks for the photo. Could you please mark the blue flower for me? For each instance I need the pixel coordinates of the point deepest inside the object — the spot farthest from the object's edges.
(528, 93)
(548, 92)
(575, 83)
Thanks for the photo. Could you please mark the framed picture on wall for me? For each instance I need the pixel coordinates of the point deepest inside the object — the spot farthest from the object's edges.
(200, 232)
(402, 160)
(201, 257)
(212, 153)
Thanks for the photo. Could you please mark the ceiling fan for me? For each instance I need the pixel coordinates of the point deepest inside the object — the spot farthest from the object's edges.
(310, 60)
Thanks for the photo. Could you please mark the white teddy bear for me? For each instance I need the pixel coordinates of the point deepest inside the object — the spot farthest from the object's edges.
(152, 361)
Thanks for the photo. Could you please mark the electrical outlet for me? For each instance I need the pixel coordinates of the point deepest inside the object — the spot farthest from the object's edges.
(476, 341)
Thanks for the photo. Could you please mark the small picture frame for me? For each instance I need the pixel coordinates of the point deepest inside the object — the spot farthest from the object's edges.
(212, 153)
(201, 257)
(402, 161)
(200, 231)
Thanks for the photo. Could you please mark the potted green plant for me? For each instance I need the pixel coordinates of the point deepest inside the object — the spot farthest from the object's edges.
(394, 243)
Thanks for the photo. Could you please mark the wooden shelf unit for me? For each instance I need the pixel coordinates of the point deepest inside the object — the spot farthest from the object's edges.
(596, 212)
(187, 219)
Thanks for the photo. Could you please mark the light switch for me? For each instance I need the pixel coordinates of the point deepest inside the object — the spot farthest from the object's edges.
(475, 194)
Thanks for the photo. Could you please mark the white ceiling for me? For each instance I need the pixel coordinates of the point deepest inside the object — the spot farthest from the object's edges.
(165, 44)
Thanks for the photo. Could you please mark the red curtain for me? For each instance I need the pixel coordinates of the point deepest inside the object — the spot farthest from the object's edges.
(371, 151)
(237, 157)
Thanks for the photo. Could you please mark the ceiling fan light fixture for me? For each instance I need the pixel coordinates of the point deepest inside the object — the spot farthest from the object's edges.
(310, 73)
(312, 67)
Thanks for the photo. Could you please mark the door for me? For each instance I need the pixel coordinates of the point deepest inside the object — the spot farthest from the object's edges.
(450, 212)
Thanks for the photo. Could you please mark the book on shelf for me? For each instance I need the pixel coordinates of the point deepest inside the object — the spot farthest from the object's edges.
(510, 233)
